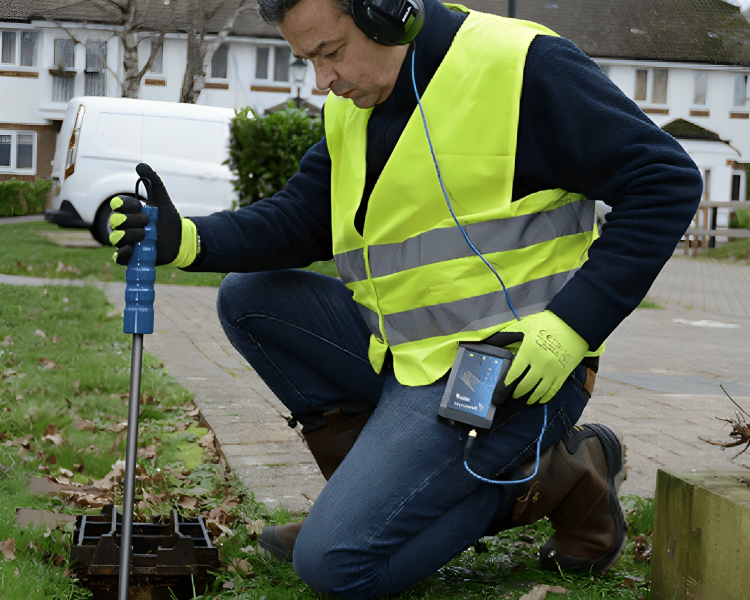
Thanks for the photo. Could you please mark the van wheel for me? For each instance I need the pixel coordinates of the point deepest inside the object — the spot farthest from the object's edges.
(101, 229)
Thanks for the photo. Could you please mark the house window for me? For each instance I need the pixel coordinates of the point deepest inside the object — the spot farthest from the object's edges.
(62, 86)
(219, 62)
(261, 62)
(641, 83)
(28, 49)
(699, 91)
(64, 53)
(659, 91)
(17, 152)
(8, 48)
(281, 63)
(24, 151)
(740, 89)
(95, 83)
(279, 56)
(157, 64)
(736, 182)
(5, 153)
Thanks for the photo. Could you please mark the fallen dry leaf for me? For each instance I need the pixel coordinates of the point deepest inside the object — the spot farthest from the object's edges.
(66, 572)
(207, 441)
(538, 592)
(217, 529)
(228, 585)
(17, 573)
(8, 372)
(255, 527)
(187, 501)
(56, 338)
(47, 363)
(8, 548)
(40, 333)
(50, 429)
(63, 268)
(55, 439)
(115, 476)
(239, 565)
(26, 516)
(66, 472)
(8, 341)
(147, 451)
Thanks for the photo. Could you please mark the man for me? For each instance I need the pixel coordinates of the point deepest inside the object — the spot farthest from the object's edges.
(525, 128)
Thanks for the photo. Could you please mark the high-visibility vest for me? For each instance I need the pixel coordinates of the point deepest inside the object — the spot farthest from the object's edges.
(419, 286)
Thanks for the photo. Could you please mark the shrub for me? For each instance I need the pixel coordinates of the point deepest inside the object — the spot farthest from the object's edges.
(264, 152)
(21, 197)
(740, 219)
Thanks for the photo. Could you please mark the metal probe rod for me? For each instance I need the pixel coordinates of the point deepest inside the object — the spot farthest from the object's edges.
(131, 458)
(138, 318)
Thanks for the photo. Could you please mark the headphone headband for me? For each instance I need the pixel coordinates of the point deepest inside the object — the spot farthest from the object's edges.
(389, 22)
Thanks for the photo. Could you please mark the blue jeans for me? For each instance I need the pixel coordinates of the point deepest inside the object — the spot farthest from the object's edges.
(401, 504)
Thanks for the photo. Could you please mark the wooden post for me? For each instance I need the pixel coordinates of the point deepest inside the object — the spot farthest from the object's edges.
(701, 532)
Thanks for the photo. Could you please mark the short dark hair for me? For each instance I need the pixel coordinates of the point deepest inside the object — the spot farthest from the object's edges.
(274, 11)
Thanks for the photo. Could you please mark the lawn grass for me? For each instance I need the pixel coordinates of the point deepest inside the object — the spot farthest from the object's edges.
(64, 363)
(735, 251)
(25, 251)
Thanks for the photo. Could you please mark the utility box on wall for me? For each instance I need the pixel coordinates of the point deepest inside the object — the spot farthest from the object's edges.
(701, 540)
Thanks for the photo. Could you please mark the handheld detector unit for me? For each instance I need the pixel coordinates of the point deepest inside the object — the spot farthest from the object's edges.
(475, 373)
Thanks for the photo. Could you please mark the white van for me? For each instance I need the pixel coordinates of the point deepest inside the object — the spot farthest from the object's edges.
(103, 139)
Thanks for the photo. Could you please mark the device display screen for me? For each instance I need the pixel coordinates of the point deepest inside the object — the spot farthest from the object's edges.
(476, 378)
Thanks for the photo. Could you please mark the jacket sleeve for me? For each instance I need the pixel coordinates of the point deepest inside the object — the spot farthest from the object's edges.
(586, 136)
(290, 229)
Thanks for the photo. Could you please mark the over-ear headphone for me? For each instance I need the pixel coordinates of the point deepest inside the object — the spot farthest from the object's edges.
(389, 22)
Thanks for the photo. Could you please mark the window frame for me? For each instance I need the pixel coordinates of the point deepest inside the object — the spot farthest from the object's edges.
(13, 169)
(17, 48)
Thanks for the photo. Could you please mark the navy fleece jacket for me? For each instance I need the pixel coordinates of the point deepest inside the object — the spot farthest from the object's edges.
(577, 131)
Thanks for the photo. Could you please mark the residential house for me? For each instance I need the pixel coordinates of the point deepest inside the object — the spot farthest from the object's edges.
(679, 60)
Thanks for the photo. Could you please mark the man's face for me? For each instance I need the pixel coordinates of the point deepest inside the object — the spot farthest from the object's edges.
(344, 58)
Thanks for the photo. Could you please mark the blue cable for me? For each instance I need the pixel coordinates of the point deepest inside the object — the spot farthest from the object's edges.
(445, 193)
(536, 465)
(505, 291)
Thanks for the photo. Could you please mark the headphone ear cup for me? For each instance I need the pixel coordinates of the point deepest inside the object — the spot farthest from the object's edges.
(386, 27)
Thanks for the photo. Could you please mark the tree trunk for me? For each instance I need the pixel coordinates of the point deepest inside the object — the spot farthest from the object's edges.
(132, 82)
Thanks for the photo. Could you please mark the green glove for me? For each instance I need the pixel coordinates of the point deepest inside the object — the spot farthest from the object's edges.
(177, 238)
(549, 352)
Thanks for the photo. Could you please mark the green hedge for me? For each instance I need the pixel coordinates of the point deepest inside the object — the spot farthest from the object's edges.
(264, 152)
(740, 219)
(23, 197)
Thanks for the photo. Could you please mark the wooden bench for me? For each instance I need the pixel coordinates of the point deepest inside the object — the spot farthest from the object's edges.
(700, 235)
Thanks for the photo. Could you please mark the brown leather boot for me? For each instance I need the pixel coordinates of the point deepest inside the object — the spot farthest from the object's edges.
(329, 445)
(577, 488)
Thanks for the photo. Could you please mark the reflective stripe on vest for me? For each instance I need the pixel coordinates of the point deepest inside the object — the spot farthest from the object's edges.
(419, 286)
(438, 245)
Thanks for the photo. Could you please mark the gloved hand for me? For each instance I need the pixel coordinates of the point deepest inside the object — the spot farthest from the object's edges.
(177, 238)
(549, 352)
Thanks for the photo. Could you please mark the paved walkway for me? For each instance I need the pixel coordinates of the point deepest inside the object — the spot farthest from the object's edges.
(658, 386)
(23, 219)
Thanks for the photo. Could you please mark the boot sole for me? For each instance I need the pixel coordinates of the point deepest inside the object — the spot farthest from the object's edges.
(615, 456)
(269, 543)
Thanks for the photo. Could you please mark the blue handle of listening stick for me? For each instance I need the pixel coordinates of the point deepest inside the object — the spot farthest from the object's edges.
(139, 280)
